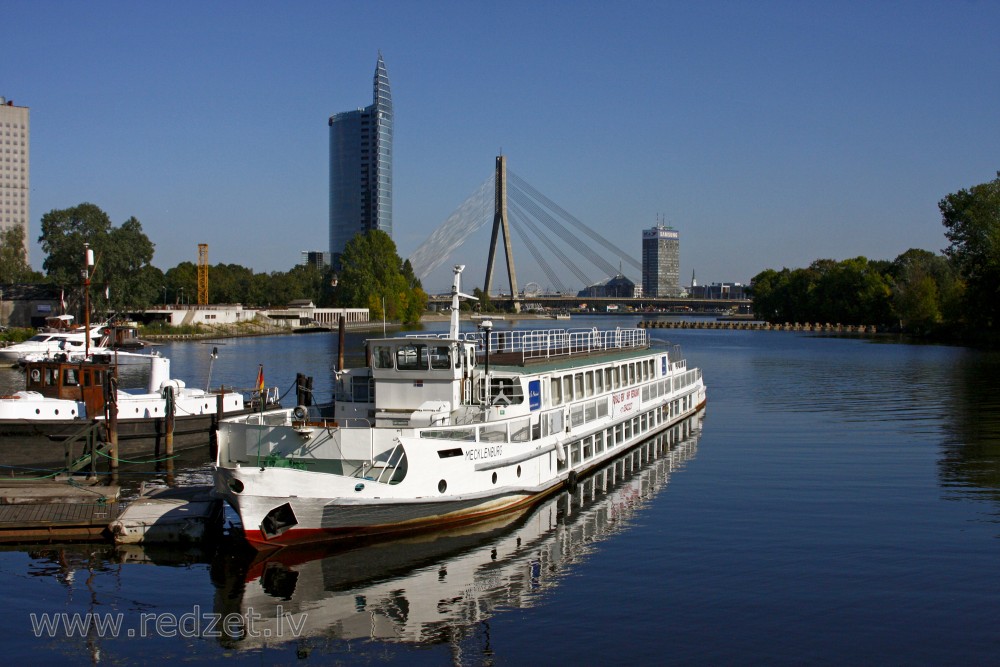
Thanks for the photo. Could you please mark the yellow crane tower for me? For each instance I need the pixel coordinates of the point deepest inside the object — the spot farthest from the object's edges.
(202, 274)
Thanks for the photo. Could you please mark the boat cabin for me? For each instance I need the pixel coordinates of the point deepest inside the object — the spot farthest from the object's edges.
(82, 381)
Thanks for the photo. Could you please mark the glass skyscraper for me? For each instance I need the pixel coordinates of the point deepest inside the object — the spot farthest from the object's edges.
(661, 262)
(361, 168)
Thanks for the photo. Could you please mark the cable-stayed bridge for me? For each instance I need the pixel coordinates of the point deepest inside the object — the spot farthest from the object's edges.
(556, 240)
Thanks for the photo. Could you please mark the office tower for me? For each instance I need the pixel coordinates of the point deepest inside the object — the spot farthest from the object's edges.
(361, 168)
(661, 262)
(316, 258)
(15, 166)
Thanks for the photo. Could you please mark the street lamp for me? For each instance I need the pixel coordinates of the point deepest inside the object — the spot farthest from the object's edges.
(164, 296)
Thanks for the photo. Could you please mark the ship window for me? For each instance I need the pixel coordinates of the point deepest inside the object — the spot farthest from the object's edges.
(555, 422)
(574, 453)
(588, 448)
(51, 376)
(411, 358)
(382, 356)
(509, 389)
(496, 433)
(520, 431)
(590, 412)
(555, 391)
(70, 378)
(599, 381)
(599, 442)
(589, 381)
(609, 374)
(439, 357)
(568, 388)
(578, 385)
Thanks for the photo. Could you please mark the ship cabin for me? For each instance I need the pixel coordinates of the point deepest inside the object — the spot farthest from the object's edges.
(82, 381)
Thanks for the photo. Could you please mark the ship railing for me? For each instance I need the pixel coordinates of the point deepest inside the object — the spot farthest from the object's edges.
(543, 344)
(389, 465)
(546, 343)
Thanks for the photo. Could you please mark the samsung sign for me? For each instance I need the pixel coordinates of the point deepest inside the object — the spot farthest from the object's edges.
(535, 394)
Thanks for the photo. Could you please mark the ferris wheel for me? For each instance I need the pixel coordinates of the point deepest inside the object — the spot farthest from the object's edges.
(532, 289)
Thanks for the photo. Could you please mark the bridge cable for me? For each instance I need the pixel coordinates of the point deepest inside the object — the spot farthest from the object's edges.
(573, 267)
(566, 235)
(524, 185)
(473, 214)
(515, 217)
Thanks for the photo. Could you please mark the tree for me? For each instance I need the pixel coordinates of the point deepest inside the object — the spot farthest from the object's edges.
(372, 274)
(924, 290)
(972, 221)
(122, 255)
(14, 266)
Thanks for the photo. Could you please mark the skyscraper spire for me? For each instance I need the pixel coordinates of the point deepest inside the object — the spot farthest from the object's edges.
(361, 167)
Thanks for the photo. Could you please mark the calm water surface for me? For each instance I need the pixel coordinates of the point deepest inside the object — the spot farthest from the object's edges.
(836, 502)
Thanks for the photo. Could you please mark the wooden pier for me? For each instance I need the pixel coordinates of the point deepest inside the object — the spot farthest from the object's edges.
(56, 510)
(73, 510)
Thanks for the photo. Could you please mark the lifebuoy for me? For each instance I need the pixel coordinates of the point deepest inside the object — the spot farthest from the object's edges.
(36, 375)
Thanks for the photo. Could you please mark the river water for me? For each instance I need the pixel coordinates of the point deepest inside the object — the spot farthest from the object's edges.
(837, 502)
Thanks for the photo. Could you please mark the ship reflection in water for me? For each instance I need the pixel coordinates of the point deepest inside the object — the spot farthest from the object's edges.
(435, 587)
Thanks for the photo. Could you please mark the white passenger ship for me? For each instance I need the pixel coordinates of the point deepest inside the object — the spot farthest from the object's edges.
(451, 429)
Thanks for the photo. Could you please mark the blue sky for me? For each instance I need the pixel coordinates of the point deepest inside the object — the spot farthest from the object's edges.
(769, 133)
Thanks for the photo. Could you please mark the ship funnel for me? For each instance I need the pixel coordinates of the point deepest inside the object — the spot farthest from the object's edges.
(159, 372)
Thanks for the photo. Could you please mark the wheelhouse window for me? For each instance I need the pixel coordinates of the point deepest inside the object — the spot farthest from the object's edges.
(440, 357)
(382, 356)
(411, 358)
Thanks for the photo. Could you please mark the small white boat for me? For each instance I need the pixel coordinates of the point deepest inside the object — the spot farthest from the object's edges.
(119, 338)
(444, 430)
(47, 343)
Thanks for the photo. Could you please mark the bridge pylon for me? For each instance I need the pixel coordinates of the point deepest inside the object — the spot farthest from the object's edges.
(500, 224)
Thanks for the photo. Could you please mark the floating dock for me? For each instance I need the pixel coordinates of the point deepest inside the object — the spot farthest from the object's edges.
(168, 515)
(67, 509)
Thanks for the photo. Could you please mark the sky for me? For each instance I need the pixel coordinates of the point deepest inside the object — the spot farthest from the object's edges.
(770, 134)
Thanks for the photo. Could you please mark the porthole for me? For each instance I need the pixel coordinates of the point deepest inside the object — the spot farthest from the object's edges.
(37, 411)
(494, 478)
(518, 471)
(57, 411)
(442, 486)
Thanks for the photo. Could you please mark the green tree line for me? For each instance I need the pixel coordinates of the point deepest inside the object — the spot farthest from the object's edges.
(919, 291)
(124, 278)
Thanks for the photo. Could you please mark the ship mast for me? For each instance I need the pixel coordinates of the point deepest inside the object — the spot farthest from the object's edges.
(455, 296)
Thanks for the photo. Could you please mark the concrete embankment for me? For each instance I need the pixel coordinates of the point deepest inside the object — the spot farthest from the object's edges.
(762, 326)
